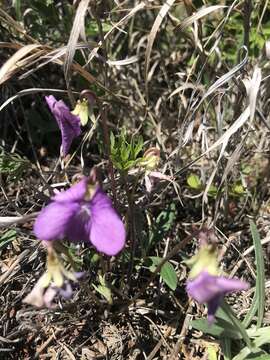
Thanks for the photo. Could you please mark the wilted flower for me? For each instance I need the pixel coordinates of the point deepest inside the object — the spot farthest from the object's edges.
(56, 281)
(68, 123)
(151, 177)
(209, 289)
(150, 162)
(205, 285)
(83, 213)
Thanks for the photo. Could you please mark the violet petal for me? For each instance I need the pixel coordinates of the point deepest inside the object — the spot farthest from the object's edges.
(75, 193)
(229, 285)
(68, 123)
(66, 291)
(107, 232)
(212, 308)
(52, 221)
(205, 287)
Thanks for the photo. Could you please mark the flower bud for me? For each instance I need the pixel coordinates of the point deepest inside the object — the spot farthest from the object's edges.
(81, 110)
(204, 260)
(150, 159)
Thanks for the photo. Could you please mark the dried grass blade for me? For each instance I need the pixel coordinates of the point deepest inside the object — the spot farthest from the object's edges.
(30, 92)
(77, 28)
(11, 220)
(123, 62)
(224, 78)
(12, 63)
(198, 15)
(232, 129)
(224, 139)
(254, 89)
(221, 81)
(15, 25)
(8, 45)
(151, 38)
(187, 85)
(137, 8)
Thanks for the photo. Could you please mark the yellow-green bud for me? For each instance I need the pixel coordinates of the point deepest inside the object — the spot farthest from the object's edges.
(81, 110)
(150, 159)
(204, 260)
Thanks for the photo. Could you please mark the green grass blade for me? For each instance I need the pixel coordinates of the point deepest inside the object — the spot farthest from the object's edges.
(260, 278)
(226, 345)
(238, 325)
(252, 311)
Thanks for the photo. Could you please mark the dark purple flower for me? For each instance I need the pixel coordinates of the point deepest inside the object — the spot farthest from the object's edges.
(68, 123)
(209, 289)
(82, 213)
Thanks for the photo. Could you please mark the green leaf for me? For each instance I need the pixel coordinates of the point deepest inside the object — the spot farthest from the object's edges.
(220, 328)
(17, 5)
(138, 147)
(194, 182)
(256, 352)
(7, 237)
(166, 218)
(167, 271)
(238, 189)
(226, 345)
(103, 289)
(12, 165)
(93, 30)
(252, 311)
(246, 169)
(212, 191)
(169, 276)
(237, 324)
(245, 354)
(124, 154)
(260, 272)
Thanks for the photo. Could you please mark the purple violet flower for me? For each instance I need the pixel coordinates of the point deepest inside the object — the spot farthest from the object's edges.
(68, 123)
(206, 288)
(82, 213)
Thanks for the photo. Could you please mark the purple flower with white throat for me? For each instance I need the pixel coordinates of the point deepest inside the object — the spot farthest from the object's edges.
(83, 213)
(210, 289)
(68, 123)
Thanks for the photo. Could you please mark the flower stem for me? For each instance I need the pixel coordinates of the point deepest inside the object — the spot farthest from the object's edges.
(104, 108)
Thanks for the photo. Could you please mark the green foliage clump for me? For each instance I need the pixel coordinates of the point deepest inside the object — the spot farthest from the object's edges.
(12, 165)
(125, 153)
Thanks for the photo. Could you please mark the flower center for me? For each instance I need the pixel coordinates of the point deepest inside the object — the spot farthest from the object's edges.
(85, 212)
